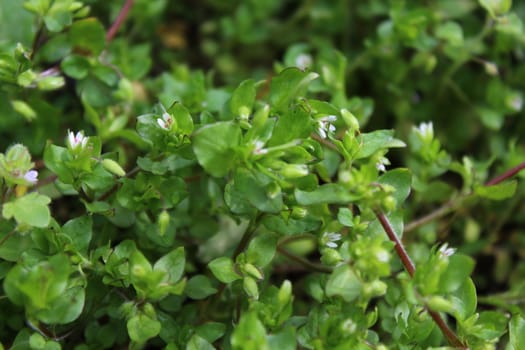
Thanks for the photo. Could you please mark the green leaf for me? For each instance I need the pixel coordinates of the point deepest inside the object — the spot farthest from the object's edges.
(198, 343)
(294, 123)
(252, 187)
(458, 271)
(243, 98)
(345, 217)
(30, 209)
(465, 300)
(261, 249)
(451, 32)
(182, 118)
(39, 285)
(24, 109)
(211, 331)
(223, 269)
(141, 328)
(199, 287)
(64, 309)
(288, 85)
(376, 140)
(105, 74)
(215, 147)
(497, 192)
(517, 332)
(79, 231)
(88, 34)
(172, 264)
(14, 14)
(328, 193)
(490, 325)
(283, 340)
(50, 83)
(55, 158)
(496, 7)
(249, 334)
(13, 246)
(343, 282)
(401, 180)
(58, 16)
(290, 226)
(75, 66)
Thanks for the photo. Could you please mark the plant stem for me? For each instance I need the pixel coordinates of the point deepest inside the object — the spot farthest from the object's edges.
(509, 173)
(304, 262)
(400, 249)
(119, 20)
(454, 203)
(452, 338)
(436, 214)
(6, 237)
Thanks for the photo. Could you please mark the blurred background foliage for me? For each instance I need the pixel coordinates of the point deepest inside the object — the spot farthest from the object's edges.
(450, 62)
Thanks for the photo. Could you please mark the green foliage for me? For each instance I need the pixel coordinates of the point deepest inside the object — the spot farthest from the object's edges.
(294, 193)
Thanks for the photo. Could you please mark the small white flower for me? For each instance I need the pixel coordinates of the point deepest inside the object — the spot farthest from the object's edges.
(303, 61)
(491, 68)
(516, 103)
(381, 164)
(325, 125)
(425, 130)
(258, 149)
(382, 255)
(76, 141)
(445, 251)
(330, 238)
(31, 176)
(166, 122)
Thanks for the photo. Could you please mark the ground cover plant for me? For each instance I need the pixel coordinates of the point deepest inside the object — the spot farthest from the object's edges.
(262, 174)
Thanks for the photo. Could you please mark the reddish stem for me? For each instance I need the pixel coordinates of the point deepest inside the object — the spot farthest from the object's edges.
(400, 249)
(452, 338)
(119, 20)
(509, 173)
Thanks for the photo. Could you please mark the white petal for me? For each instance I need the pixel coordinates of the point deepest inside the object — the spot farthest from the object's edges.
(162, 123)
(321, 131)
(31, 176)
(71, 138)
(331, 245)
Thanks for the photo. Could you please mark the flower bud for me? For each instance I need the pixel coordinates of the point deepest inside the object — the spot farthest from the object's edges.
(261, 116)
(285, 293)
(253, 271)
(149, 311)
(350, 119)
(163, 222)
(293, 171)
(250, 287)
(438, 303)
(298, 212)
(138, 271)
(244, 112)
(273, 190)
(330, 256)
(388, 204)
(76, 142)
(374, 289)
(113, 167)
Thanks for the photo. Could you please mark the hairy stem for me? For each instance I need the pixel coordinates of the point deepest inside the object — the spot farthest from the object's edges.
(507, 174)
(452, 204)
(299, 259)
(119, 20)
(448, 207)
(452, 338)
